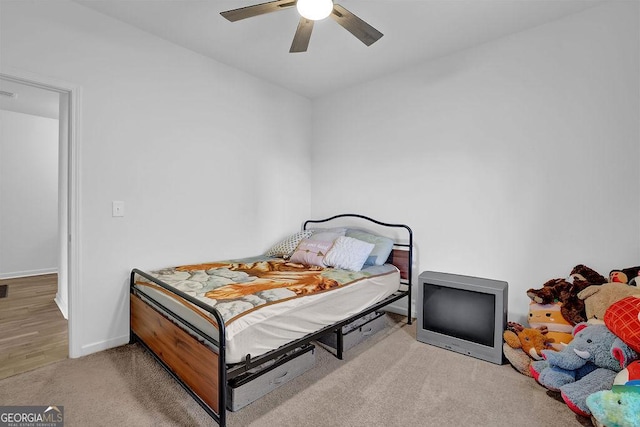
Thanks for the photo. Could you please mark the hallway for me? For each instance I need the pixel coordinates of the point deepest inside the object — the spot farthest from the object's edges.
(33, 332)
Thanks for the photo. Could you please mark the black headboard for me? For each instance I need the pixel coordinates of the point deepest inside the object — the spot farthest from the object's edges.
(402, 254)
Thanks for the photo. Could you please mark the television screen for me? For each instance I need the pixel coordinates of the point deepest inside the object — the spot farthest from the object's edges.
(463, 314)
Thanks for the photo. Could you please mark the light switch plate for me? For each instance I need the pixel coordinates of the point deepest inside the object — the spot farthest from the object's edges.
(117, 207)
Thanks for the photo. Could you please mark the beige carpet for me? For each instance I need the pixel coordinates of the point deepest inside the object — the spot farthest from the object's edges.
(390, 380)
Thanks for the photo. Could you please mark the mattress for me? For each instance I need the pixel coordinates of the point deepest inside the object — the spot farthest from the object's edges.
(268, 326)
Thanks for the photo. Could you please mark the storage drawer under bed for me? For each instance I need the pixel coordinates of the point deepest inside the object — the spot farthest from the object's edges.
(251, 386)
(357, 331)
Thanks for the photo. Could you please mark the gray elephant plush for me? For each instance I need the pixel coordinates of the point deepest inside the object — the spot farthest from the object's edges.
(589, 363)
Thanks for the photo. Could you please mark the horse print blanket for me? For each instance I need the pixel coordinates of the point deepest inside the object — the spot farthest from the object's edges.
(237, 287)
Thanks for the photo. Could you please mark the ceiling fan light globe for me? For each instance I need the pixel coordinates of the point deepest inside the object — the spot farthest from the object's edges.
(314, 9)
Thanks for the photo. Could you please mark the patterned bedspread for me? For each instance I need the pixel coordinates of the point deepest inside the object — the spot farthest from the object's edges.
(237, 287)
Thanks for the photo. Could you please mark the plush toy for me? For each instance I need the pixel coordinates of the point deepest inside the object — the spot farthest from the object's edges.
(566, 292)
(623, 319)
(625, 275)
(585, 274)
(598, 299)
(549, 317)
(517, 358)
(589, 363)
(619, 407)
(630, 376)
(523, 345)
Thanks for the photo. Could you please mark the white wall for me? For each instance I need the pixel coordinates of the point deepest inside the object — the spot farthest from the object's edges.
(28, 194)
(515, 160)
(198, 152)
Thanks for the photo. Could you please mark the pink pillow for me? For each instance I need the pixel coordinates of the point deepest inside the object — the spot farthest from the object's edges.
(311, 252)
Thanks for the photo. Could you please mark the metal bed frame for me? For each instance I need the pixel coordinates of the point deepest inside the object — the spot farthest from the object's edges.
(226, 372)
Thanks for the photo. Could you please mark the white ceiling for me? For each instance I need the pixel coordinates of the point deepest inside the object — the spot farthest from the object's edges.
(414, 31)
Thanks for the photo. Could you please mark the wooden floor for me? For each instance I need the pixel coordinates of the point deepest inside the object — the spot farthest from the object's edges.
(33, 332)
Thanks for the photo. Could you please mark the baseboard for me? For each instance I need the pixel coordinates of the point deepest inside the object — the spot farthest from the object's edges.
(104, 345)
(62, 305)
(400, 307)
(17, 274)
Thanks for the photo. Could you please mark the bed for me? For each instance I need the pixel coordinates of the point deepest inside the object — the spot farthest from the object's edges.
(211, 325)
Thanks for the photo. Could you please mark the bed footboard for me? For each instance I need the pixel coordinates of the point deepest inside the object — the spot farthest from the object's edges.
(190, 360)
(200, 370)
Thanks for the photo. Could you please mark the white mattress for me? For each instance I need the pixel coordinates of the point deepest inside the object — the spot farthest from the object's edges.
(272, 326)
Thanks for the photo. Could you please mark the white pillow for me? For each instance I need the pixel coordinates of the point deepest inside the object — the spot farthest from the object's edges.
(348, 253)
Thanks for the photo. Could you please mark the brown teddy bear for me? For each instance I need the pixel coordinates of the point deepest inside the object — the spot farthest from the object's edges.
(566, 292)
(585, 274)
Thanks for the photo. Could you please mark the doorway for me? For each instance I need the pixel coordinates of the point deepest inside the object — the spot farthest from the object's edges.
(68, 195)
(29, 175)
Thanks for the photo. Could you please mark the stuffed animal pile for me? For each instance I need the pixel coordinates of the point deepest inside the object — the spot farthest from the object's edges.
(593, 360)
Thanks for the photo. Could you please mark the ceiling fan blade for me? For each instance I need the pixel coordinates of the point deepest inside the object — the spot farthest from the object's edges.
(302, 37)
(257, 9)
(356, 26)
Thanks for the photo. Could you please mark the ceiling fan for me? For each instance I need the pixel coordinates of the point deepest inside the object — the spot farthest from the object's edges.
(310, 11)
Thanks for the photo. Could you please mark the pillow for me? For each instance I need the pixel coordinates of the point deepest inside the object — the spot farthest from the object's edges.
(348, 253)
(623, 319)
(382, 249)
(311, 252)
(285, 247)
(327, 234)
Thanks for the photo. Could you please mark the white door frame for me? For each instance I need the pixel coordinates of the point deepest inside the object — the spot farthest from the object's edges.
(68, 194)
